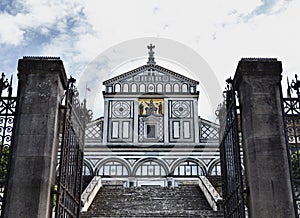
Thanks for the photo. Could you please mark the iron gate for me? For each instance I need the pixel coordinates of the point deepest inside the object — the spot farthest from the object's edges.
(71, 154)
(7, 117)
(291, 106)
(230, 155)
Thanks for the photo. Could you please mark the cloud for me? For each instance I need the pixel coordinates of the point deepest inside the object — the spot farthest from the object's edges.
(37, 15)
(10, 32)
(265, 35)
(220, 31)
(12, 7)
(268, 7)
(53, 28)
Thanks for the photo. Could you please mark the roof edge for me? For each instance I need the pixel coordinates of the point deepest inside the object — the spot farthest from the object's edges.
(157, 67)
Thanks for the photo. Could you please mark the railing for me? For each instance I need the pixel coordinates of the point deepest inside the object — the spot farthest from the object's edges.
(90, 192)
(291, 111)
(7, 120)
(209, 131)
(212, 196)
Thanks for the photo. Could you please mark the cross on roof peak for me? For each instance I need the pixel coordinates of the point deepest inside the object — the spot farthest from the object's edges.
(151, 47)
(151, 54)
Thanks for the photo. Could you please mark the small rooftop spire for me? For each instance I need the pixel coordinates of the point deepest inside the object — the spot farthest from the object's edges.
(151, 53)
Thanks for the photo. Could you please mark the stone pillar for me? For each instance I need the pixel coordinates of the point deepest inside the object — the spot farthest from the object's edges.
(41, 86)
(258, 82)
(136, 122)
(166, 119)
(105, 121)
(196, 120)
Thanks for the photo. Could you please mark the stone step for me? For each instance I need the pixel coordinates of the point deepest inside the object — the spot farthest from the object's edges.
(150, 201)
(199, 214)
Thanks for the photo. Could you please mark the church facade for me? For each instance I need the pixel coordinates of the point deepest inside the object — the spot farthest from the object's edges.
(151, 132)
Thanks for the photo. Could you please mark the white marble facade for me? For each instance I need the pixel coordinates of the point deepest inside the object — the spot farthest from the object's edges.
(151, 129)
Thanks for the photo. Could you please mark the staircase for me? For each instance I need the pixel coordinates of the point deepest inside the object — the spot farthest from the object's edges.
(150, 201)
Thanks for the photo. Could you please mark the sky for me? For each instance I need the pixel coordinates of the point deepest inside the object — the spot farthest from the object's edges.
(220, 31)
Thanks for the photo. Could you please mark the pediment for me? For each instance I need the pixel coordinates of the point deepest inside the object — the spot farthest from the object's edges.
(150, 74)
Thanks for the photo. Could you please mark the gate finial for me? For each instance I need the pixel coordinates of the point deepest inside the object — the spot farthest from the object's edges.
(296, 84)
(3, 84)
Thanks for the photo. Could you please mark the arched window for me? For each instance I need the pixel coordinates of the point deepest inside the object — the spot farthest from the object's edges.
(133, 88)
(125, 88)
(168, 88)
(159, 88)
(113, 168)
(142, 88)
(150, 168)
(184, 88)
(117, 87)
(87, 169)
(151, 88)
(216, 170)
(188, 168)
(176, 88)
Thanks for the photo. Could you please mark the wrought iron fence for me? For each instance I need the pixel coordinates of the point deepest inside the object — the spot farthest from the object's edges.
(71, 154)
(291, 107)
(7, 117)
(233, 188)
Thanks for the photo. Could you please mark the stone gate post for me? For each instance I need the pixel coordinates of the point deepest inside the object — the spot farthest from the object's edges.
(42, 82)
(258, 82)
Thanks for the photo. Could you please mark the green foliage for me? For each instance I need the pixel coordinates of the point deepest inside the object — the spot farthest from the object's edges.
(4, 162)
(55, 188)
(295, 164)
(246, 195)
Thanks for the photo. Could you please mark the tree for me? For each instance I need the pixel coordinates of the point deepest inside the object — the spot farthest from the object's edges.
(4, 162)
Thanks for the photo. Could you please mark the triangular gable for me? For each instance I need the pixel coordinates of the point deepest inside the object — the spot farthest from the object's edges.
(155, 70)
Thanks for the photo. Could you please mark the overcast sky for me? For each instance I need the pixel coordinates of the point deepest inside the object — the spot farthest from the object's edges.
(220, 31)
